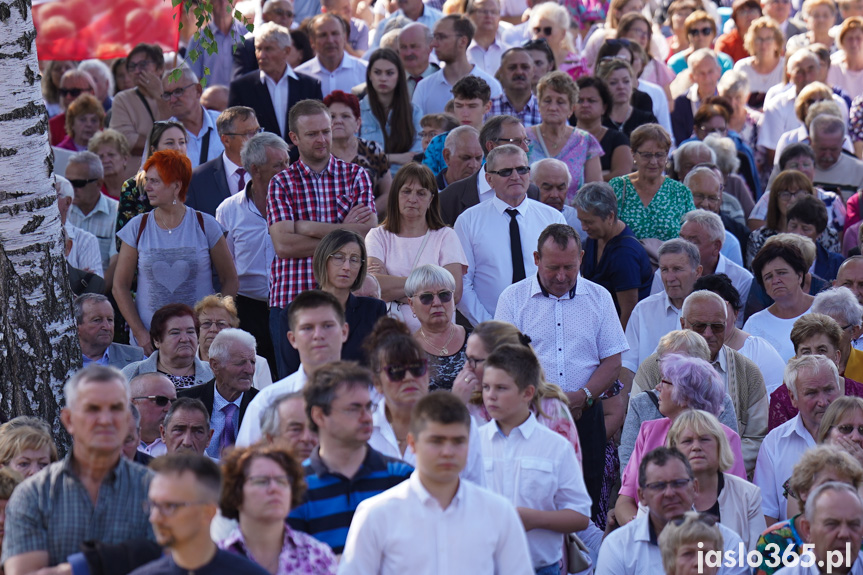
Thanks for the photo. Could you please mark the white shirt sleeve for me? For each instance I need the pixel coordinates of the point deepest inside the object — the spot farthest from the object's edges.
(469, 305)
(765, 478)
(362, 553)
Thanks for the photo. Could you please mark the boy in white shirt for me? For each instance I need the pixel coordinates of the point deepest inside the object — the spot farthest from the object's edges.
(527, 463)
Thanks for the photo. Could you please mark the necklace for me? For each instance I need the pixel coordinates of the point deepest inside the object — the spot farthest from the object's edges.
(443, 350)
(163, 225)
(555, 142)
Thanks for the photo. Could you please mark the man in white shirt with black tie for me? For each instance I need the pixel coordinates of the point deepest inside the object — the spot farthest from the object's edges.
(509, 219)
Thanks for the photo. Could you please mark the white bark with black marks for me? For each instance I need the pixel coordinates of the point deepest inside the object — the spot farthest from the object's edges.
(38, 340)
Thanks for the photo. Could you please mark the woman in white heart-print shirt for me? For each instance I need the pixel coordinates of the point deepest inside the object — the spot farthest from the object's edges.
(173, 249)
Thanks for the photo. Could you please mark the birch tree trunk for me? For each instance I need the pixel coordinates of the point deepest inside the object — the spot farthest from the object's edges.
(38, 337)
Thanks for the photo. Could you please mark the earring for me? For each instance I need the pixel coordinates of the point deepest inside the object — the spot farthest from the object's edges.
(175, 201)
(415, 315)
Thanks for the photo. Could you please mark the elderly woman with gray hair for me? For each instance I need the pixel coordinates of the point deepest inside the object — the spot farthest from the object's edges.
(644, 401)
(687, 383)
(613, 256)
(430, 290)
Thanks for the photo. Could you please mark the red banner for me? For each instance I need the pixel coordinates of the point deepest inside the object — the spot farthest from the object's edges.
(104, 29)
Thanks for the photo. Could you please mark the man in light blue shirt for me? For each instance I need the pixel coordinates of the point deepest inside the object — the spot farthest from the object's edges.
(414, 10)
(184, 102)
(227, 32)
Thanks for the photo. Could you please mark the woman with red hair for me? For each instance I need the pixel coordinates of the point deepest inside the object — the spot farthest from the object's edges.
(173, 249)
(349, 147)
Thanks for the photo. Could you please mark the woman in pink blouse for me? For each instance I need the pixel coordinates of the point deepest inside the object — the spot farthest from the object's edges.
(687, 383)
(261, 485)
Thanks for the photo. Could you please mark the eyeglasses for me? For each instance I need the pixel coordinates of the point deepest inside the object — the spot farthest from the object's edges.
(507, 172)
(706, 518)
(705, 198)
(159, 400)
(675, 484)
(848, 429)
(427, 298)
(515, 141)
(139, 65)
(266, 480)
(281, 13)
(474, 361)
(706, 31)
(248, 134)
(787, 195)
(340, 258)
(544, 30)
(658, 156)
(621, 56)
(397, 372)
(699, 327)
(798, 165)
(712, 130)
(429, 134)
(439, 37)
(205, 325)
(167, 96)
(168, 508)
(74, 92)
(356, 410)
(82, 183)
(485, 11)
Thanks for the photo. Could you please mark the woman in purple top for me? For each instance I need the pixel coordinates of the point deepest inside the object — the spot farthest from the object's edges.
(261, 485)
(687, 383)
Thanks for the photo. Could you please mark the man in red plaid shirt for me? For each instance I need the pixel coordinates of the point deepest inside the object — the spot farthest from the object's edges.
(314, 196)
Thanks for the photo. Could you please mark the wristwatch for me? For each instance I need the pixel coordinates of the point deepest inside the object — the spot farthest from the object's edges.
(590, 399)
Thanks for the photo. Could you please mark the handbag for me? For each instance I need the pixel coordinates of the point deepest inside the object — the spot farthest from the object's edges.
(578, 556)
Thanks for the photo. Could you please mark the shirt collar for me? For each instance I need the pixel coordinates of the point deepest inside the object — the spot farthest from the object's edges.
(799, 429)
(501, 206)
(722, 360)
(331, 164)
(668, 304)
(289, 73)
(541, 289)
(416, 485)
(721, 264)
(219, 400)
(497, 42)
(373, 461)
(526, 428)
(230, 167)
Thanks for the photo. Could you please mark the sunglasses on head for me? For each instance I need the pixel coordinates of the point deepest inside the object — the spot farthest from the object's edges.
(82, 183)
(74, 92)
(706, 31)
(397, 372)
(544, 30)
(160, 400)
(427, 298)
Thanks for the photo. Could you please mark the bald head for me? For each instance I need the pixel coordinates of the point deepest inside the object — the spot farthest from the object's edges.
(552, 178)
(850, 275)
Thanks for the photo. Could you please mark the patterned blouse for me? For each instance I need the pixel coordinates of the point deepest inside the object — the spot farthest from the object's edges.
(301, 554)
(372, 157)
(855, 120)
(444, 369)
(659, 219)
(778, 536)
(580, 147)
(132, 202)
(181, 381)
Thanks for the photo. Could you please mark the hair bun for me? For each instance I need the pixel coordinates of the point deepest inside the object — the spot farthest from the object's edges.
(524, 339)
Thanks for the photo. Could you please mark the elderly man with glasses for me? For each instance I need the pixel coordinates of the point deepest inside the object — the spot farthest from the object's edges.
(152, 394)
(183, 98)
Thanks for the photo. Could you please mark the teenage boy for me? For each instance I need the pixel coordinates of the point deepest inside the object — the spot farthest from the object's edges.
(530, 465)
(433, 519)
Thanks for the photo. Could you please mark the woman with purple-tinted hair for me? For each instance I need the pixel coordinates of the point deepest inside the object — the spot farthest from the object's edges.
(687, 383)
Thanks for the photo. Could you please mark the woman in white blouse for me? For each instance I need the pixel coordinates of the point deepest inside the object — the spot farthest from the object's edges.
(766, 44)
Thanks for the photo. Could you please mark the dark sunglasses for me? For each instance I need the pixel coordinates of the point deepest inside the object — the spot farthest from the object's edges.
(706, 31)
(82, 183)
(160, 400)
(74, 92)
(417, 369)
(427, 298)
(544, 30)
(848, 429)
(507, 172)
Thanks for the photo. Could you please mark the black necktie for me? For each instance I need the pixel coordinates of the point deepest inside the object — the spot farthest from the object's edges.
(515, 247)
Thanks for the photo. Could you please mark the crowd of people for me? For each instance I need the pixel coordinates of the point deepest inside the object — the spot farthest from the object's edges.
(459, 287)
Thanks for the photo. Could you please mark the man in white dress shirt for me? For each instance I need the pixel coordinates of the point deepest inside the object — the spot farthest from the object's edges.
(656, 315)
(434, 523)
(415, 10)
(452, 36)
(832, 525)
(510, 218)
(576, 334)
(667, 487)
(335, 68)
(487, 46)
(318, 330)
(813, 383)
(244, 216)
(704, 230)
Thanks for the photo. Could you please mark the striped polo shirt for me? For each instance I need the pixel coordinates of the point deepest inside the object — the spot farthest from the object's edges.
(331, 498)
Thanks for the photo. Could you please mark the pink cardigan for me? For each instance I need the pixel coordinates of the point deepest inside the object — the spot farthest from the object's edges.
(652, 435)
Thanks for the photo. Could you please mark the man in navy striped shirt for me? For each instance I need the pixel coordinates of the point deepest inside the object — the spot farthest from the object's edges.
(343, 470)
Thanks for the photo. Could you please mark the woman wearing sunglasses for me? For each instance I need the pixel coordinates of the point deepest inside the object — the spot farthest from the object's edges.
(842, 426)
(430, 290)
(551, 22)
(701, 32)
(413, 234)
(687, 383)
(401, 371)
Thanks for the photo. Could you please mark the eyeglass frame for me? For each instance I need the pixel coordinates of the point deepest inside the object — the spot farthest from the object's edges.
(417, 368)
(177, 92)
(520, 170)
(160, 400)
